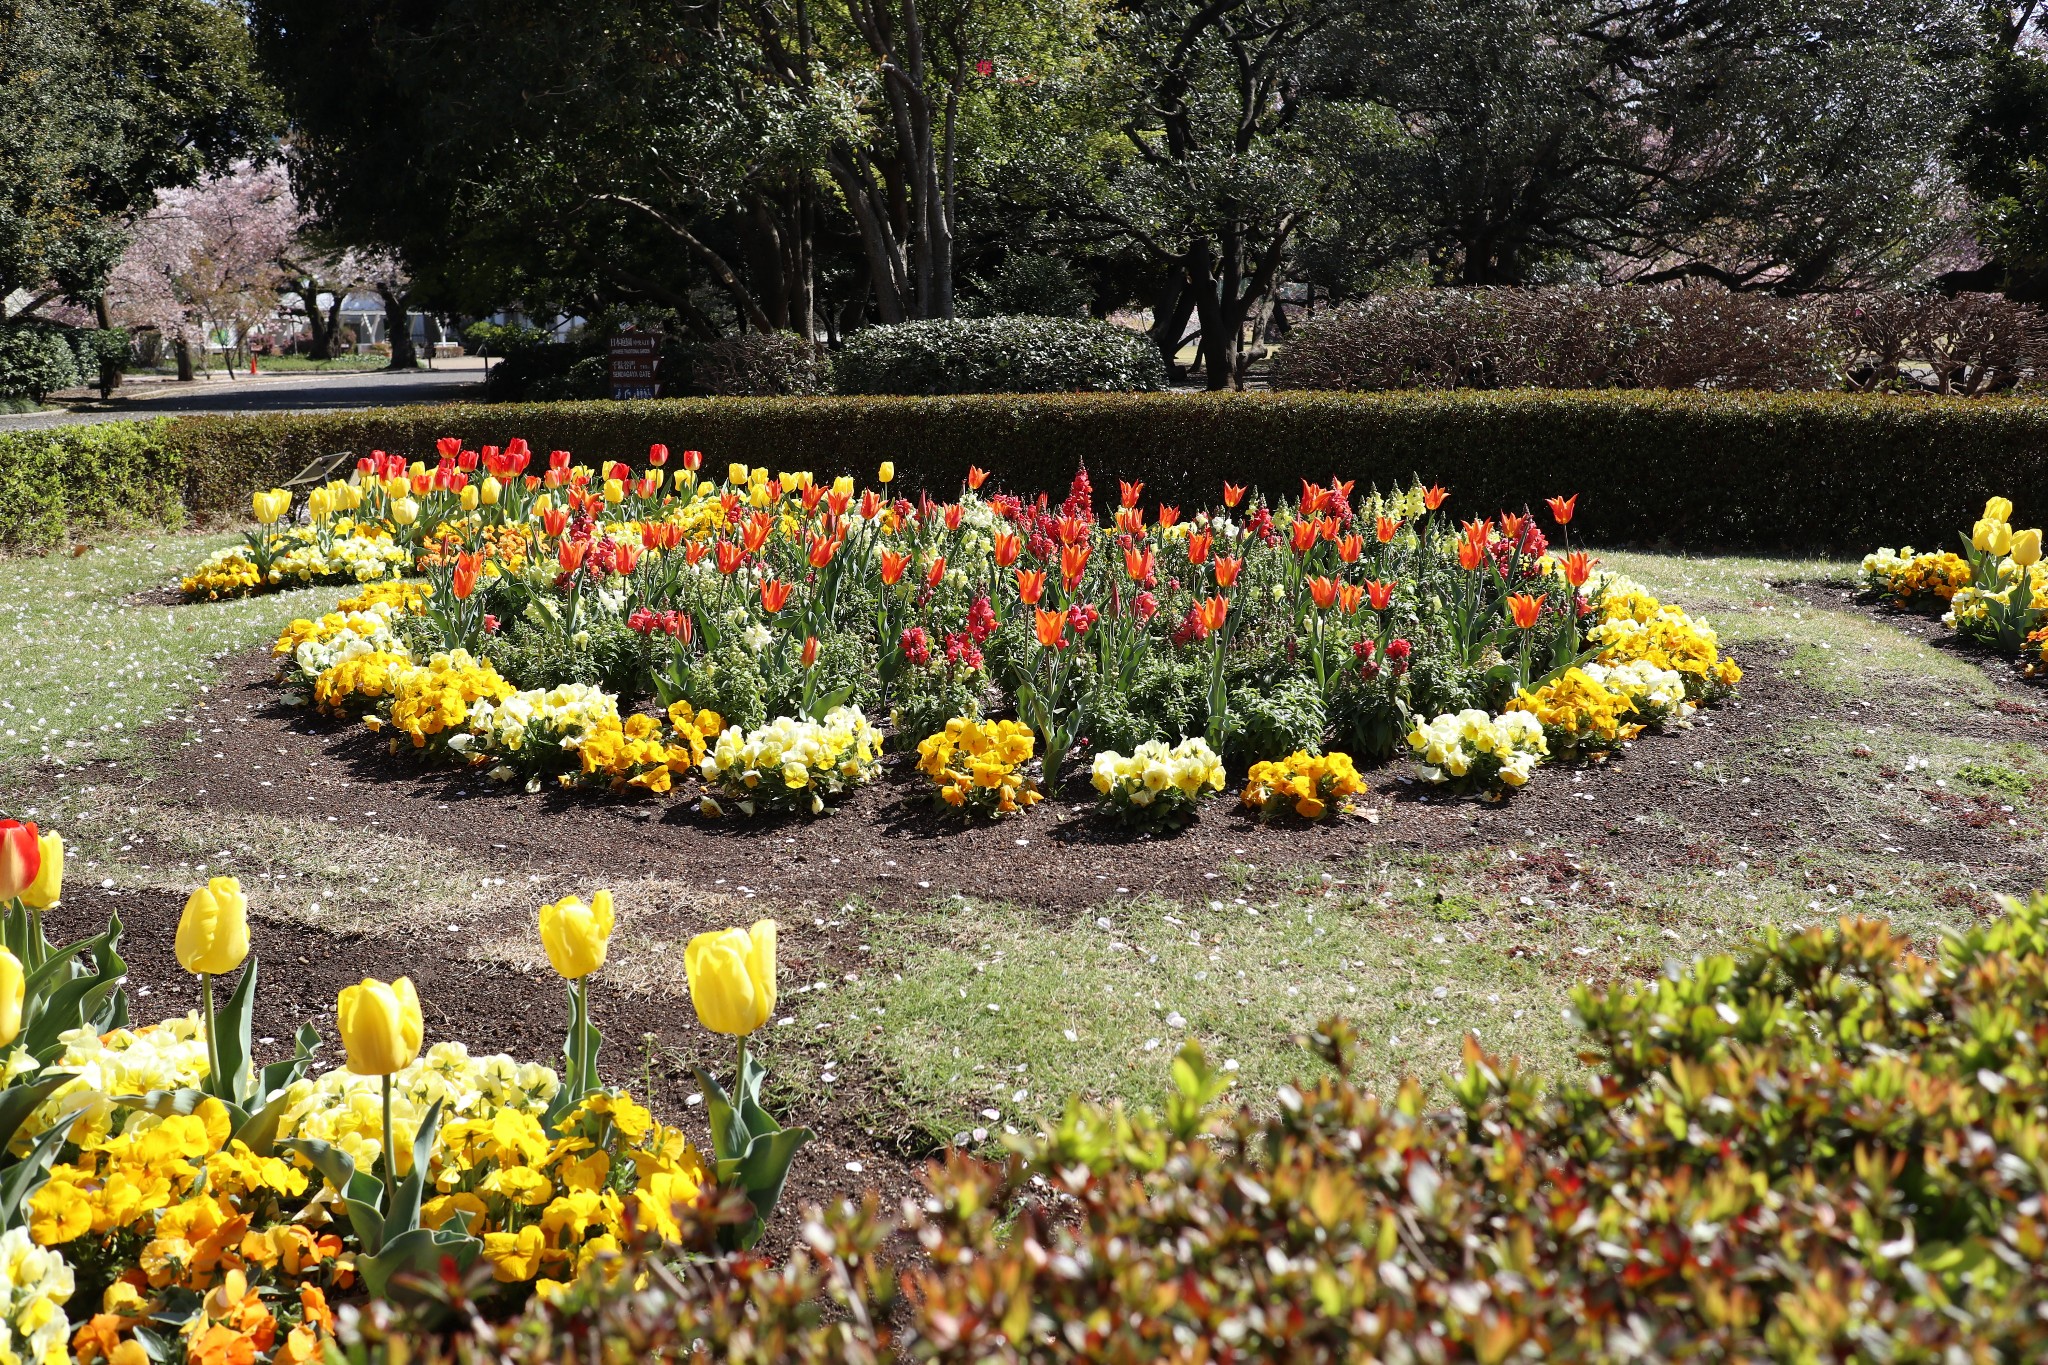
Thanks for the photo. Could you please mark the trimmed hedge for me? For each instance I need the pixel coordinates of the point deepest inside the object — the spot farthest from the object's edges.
(997, 355)
(1834, 472)
(58, 482)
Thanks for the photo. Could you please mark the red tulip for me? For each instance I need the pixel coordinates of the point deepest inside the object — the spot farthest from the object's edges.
(693, 460)
(448, 447)
(21, 857)
(657, 455)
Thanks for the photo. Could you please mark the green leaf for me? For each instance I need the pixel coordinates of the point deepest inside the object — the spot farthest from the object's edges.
(23, 1178)
(418, 1251)
(231, 1035)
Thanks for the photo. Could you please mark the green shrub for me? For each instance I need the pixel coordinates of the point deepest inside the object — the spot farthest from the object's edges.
(36, 360)
(777, 365)
(60, 482)
(1827, 1149)
(1844, 472)
(997, 355)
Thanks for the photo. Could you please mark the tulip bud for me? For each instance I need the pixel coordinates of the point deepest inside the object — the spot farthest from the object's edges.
(2026, 548)
(576, 935)
(887, 473)
(213, 933)
(614, 492)
(469, 499)
(21, 858)
(380, 1025)
(404, 511)
(491, 491)
(12, 993)
(48, 886)
(732, 978)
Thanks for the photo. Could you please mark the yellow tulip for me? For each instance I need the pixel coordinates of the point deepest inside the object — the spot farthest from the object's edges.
(380, 1025)
(404, 511)
(2026, 548)
(396, 486)
(1992, 537)
(491, 490)
(736, 474)
(1998, 509)
(843, 485)
(614, 492)
(11, 995)
(657, 477)
(271, 506)
(213, 933)
(576, 934)
(467, 497)
(732, 977)
(44, 891)
(887, 473)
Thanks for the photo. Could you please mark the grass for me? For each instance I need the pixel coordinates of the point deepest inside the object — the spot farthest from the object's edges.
(89, 669)
(341, 364)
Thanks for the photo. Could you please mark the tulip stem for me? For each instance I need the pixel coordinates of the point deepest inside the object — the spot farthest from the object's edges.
(213, 1076)
(390, 1153)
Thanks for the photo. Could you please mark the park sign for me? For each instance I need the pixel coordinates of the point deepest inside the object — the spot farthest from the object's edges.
(635, 362)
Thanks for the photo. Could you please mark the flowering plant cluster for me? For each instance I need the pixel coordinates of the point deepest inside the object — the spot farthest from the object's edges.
(1470, 750)
(1331, 619)
(1310, 785)
(2002, 600)
(791, 764)
(977, 767)
(1912, 579)
(163, 1198)
(1156, 787)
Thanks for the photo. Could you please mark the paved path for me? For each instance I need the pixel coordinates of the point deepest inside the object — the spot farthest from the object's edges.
(448, 382)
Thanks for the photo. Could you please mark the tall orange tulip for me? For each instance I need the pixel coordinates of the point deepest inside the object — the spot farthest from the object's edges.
(1433, 497)
(1323, 591)
(1471, 555)
(1198, 547)
(976, 477)
(937, 573)
(1303, 537)
(1052, 628)
(627, 557)
(1073, 564)
(755, 533)
(1030, 586)
(1130, 491)
(1233, 494)
(774, 595)
(1007, 547)
(1562, 508)
(730, 557)
(893, 565)
(1578, 567)
(1227, 570)
(1351, 548)
(1349, 596)
(822, 548)
(1380, 593)
(463, 582)
(1211, 612)
(570, 554)
(1384, 528)
(1169, 517)
(1524, 609)
(1138, 563)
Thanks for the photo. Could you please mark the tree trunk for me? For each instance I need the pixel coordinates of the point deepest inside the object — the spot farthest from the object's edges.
(398, 329)
(110, 368)
(183, 350)
(1172, 308)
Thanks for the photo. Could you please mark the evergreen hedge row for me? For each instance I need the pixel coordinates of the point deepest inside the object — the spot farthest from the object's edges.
(59, 482)
(1833, 472)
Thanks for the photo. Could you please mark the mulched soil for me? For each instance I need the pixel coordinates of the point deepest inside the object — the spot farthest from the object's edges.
(1655, 810)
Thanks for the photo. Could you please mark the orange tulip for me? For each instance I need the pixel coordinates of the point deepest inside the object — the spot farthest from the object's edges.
(571, 553)
(1511, 527)
(1578, 567)
(730, 557)
(1210, 613)
(1478, 532)
(463, 583)
(1328, 528)
(937, 573)
(755, 532)
(1006, 547)
(627, 558)
(810, 655)
(976, 477)
(1227, 570)
(870, 505)
(1323, 591)
(1073, 564)
(1130, 520)
(695, 552)
(774, 595)
(1052, 629)
(822, 548)
(1138, 563)
(1030, 586)
(1303, 537)
(1380, 593)
(838, 502)
(1350, 548)
(1198, 547)
(1433, 497)
(1349, 595)
(893, 566)
(1169, 517)
(554, 521)
(1072, 530)
(1314, 498)
(1470, 555)
(1130, 491)
(1525, 608)
(1384, 528)
(1233, 494)
(1562, 508)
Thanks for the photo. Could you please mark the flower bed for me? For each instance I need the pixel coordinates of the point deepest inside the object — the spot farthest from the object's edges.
(164, 1198)
(1995, 592)
(566, 613)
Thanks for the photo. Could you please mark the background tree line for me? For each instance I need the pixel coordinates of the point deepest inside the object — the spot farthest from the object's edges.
(815, 166)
